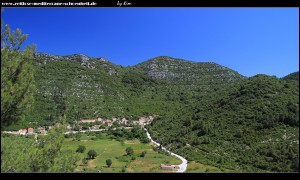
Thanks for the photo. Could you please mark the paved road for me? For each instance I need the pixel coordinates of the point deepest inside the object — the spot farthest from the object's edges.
(182, 166)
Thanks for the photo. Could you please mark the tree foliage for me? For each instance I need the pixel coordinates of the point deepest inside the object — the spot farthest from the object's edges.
(135, 132)
(292, 76)
(17, 75)
(21, 154)
(108, 162)
(80, 149)
(92, 154)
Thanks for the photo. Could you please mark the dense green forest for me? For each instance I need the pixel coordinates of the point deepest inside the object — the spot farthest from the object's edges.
(252, 125)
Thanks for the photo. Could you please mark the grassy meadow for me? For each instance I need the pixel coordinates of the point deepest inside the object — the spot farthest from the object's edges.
(108, 148)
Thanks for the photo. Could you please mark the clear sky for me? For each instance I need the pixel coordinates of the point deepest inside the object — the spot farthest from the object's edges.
(249, 40)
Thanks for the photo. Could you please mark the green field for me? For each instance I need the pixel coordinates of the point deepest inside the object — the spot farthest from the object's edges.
(199, 167)
(108, 148)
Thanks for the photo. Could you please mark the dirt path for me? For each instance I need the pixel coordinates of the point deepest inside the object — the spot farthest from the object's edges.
(182, 166)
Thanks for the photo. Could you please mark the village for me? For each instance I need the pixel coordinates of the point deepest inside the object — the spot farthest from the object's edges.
(94, 124)
(84, 125)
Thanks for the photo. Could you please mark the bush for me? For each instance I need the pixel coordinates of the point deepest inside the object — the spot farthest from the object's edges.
(143, 154)
(66, 135)
(81, 149)
(108, 162)
(154, 148)
(129, 151)
(84, 161)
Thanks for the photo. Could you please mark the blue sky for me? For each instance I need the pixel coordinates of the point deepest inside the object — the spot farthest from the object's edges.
(249, 40)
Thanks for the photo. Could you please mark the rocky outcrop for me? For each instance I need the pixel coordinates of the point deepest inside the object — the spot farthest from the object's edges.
(162, 74)
(84, 59)
(164, 67)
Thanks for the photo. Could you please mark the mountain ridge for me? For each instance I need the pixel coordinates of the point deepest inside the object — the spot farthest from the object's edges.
(84, 57)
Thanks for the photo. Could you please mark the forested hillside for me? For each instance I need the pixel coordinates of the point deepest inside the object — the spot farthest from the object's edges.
(292, 76)
(82, 87)
(252, 125)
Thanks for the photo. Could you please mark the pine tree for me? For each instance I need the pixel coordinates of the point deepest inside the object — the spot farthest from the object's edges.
(16, 76)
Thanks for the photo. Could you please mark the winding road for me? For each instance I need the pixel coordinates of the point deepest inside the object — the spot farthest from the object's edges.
(182, 166)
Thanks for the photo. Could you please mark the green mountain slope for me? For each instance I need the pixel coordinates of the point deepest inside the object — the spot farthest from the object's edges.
(292, 76)
(79, 86)
(252, 125)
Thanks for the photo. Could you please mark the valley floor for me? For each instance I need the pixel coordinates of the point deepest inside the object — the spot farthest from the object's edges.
(111, 149)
